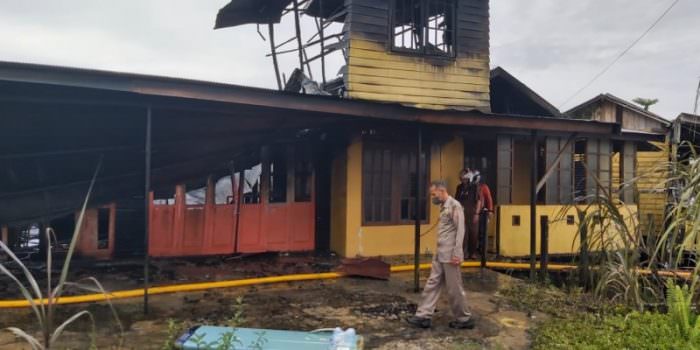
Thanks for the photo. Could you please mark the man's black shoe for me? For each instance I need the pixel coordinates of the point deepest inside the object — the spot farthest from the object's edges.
(468, 324)
(419, 322)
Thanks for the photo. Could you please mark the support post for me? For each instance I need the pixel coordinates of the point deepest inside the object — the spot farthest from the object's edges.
(5, 235)
(273, 50)
(533, 208)
(584, 263)
(416, 238)
(544, 247)
(297, 29)
(323, 43)
(239, 202)
(146, 195)
(483, 228)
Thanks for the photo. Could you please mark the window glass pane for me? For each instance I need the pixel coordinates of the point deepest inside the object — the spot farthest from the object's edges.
(389, 183)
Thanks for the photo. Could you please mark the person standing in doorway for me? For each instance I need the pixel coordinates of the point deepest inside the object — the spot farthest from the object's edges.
(485, 205)
(468, 196)
(446, 266)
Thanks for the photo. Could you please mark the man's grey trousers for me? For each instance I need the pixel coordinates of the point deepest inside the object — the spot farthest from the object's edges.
(448, 276)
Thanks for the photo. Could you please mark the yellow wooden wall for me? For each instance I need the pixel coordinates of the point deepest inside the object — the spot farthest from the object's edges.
(521, 175)
(563, 236)
(375, 74)
(651, 186)
(350, 238)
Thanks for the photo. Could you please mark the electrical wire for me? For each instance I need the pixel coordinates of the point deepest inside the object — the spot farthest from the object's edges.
(622, 54)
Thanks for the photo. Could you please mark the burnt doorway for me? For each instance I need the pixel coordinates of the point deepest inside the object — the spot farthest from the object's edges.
(323, 160)
(480, 154)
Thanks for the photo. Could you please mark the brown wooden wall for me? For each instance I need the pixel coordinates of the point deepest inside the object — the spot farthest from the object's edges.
(374, 72)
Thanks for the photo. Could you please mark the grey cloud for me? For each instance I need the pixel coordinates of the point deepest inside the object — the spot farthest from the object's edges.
(554, 46)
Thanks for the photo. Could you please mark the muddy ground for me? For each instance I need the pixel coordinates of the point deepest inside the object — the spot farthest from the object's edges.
(375, 308)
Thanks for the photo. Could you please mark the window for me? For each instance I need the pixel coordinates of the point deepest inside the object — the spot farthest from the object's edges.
(223, 191)
(197, 196)
(389, 184)
(103, 228)
(278, 176)
(303, 171)
(164, 197)
(424, 26)
(251, 184)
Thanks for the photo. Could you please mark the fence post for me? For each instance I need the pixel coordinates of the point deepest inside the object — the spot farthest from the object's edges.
(544, 246)
(483, 232)
(584, 259)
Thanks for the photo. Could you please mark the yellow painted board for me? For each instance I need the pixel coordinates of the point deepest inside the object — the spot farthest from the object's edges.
(465, 63)
(375, 46)
(419, 99)
(440, 85)
(417, 91)
(402, 74)
(563, 237)
(418, 67)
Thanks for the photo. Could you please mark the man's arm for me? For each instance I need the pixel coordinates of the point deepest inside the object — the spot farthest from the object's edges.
(458, 219)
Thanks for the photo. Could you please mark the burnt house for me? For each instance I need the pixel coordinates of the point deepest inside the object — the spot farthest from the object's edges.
(325, 162)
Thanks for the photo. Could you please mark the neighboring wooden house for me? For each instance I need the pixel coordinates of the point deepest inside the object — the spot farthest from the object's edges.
(649, 165)
(240, 170)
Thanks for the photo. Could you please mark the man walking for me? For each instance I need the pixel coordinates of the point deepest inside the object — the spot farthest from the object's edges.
(446, 270)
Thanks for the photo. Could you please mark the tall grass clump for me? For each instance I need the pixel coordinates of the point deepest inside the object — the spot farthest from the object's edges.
(627, 258)
(678, 243)
(44, 303)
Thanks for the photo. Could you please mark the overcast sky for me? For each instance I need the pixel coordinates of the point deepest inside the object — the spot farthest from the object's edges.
(553, 46)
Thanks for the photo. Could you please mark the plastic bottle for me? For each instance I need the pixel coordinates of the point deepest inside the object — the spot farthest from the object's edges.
(337, 338)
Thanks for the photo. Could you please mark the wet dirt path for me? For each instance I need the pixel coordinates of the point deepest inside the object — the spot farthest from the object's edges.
(375, 308)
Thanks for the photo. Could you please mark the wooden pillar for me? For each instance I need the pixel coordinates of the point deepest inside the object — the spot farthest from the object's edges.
(544, 247)
(297, 29)
(533, 207)
(5, 235)
(323, 44)
(147, 203)
(416, 238)
(273, 52)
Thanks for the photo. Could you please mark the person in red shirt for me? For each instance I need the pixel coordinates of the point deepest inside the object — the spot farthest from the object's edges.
(484, 207)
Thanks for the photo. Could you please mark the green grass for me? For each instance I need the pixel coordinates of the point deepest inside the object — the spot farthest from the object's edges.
(633, 331)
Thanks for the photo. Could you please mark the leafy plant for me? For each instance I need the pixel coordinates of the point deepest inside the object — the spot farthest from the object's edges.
(173, 332)
(237, 309)
(611, 229)
(682, 233)
(259, 342)
(681, 316)
(44, 305)
(228, 340)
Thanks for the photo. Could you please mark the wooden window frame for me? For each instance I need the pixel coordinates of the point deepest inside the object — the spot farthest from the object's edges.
(395, 196)
(422, 49)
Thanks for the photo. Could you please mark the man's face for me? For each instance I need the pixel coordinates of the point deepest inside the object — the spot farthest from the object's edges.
(438, 195)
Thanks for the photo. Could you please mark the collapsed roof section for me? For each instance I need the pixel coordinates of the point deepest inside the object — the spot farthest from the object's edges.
(311, 52)
(239, 12)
